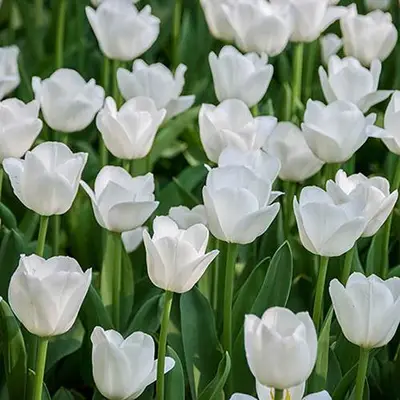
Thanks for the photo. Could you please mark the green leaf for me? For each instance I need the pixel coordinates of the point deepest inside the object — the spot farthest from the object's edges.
(175, 379)
(63, 394)
(374, 256)
(7, 218)
(31, 380)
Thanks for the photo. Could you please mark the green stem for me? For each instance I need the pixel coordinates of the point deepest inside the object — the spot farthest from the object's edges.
(297, 75)
(254, 110)
(56, 222)
(114, 84)
(287, 113)
(117, 281)
(278, 394)
(106, 83)
(311, 56)
(44, 223)
(1, 180)
(39, 13)
(361, 373)
(214, 283)
(40, 367)
(290, 191)
(176, 33)
(319, 295)
(62, 12)
(162, 344)
(348, 263)
(126, 164)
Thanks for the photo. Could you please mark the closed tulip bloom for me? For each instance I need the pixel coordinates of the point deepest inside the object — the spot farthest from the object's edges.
(237, 76)
(326, 228)
(123, 32)
(47, 180)
(230, 124)
(19, 127)
(133, 239)
(157, 82)
(185, 217)
(121, 203)
(368, 37)
(176, 258)
(330, 45)
(298, 162)
(238, 204)
(123, 368)
(348, 80)
(287, 340)
(68, 102)
(379, 201)
(46, 295)
(217, 20)
(368, 309)
(9, 73)
(130, 132)
(336, 131)
(383, 5)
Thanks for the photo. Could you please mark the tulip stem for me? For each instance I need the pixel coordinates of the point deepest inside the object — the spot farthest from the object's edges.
(162, 344)
(176, 32)
(278, 394)
(39, 370)
(114, 87)
(319, 294)
(117, 249)
(126, 165)
(361, 373)
(56, 234)
(348, 263)
(1, 180)
(106, 83)
(297, 76)
(311, 56)
(44, 223)
(62, 11)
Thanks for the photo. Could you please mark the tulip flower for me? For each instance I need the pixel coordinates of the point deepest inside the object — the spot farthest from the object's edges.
(288, 340)
(231, 124)
(383, 5)
(176, 258)
(96, 3)
(123, 33)
(130, 132)
(157, 82)
(121, 203)
(185, 218)
(326, 228)
(379, 201)
(336, 131)
(368, 37)
(123, 368)
(330, 45)
(133, 239)
(237, 76)
(298, 162)
(46, 295)
(368, 309)
(348, 80)
(9, 73)
(47, 180)
(217, 21)
(68, 102)
(238, 204)
(19, 127)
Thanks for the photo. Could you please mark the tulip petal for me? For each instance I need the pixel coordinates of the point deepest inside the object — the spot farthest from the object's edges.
(164, 227)
(256, 86)
(329, 94)
(96, 210)
(179, 105)
(14, 168)
(197, 235)
(305, 240)
(240, 396)
(214, 223)
(366, 102)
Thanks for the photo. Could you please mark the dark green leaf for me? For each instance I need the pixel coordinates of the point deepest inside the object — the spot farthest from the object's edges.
(175, 379)
(374, 256)
(63, 394)
(7, 218)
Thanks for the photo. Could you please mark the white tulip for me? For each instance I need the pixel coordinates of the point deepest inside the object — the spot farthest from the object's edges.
(348, 80)
(123, 368)
(368, 309)
(176, 258)
(9, 73)
(259, 25)
(237, 76)
(287, 340)
(230, 124)
(121, 203)
(133, 239)
(68, 102)
(326, 228)
(96, 3)
(368, 37)
(19, 127)
(330, 45)
(130, 132)
(383, 5)
(46, 295)
(123, 33)
(185, 218)
(157, 82)
(298, 162)
(336, 131)
(217, 21)
(47, 180)
(379, 201)
(238, 204)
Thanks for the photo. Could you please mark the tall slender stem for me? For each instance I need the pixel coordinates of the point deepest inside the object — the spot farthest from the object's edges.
(39, 13)
(361, 373)
(106, 83)
(348, 263)
(114, 83)
(62, 12)
(56, 225)
(126, 165)
(162, 344)
(214, 283)
(319, 295)
(278, 394)
(176, 32)
(309, 78)
(297, 75)
(40, 367)
(117, 279)
(1, 181)
(44, 223)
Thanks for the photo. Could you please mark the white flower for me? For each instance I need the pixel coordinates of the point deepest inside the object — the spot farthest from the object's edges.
(383, 5)
(47, 180)
(330, 45)
(133, 239)
(185, 218)
(217, 21)
(96, 3)
(9, 73)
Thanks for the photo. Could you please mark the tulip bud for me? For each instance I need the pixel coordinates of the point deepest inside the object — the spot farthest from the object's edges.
(176, 258)
(289, 339)
(348, 80)
(47, 180)
(231, 124)
(326, 228)
(238, 204)
(367, 37)
(130, 132)
(133, 239)
(185, 218)
(121, 203)
(383, 5)
(330, 45)
(68, 102)
(379, 201)
(123, 369)
(238, 76)
(46, 295)
(123, 33)
(368, 309)
(336, 131)
(9, 73)
(20, 126)
(217, 21)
